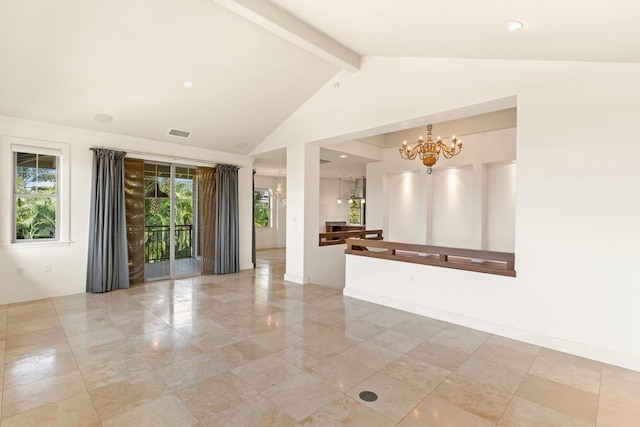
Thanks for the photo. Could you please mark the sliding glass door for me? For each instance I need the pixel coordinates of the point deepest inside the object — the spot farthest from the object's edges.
(171, 221)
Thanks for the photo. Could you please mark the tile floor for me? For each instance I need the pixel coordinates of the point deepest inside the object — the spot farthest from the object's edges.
(183, 267)
(249, 350)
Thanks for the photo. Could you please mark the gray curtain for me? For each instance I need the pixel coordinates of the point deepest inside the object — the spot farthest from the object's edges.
(107, 267)
(227, 254)
(253, 219)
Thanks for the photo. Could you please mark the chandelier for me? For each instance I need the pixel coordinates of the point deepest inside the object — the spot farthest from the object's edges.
(430, 151)
(280, 193)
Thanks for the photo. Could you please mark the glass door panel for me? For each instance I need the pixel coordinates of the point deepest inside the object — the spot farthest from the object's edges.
(185, 222)
(170, 221)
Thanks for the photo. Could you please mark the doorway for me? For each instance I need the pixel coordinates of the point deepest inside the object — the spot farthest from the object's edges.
(171, 221)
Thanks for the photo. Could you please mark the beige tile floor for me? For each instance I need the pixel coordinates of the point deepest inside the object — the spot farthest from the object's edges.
(249, 350)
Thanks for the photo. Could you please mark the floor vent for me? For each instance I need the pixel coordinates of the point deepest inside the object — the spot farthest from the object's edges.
(179, 133)
(368, 396)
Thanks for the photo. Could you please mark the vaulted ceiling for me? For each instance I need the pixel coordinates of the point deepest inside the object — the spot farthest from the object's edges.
(563, 30)
(254, 62)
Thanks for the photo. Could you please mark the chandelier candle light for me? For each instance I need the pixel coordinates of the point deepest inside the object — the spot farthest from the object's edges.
(280, 194)
(429, 151)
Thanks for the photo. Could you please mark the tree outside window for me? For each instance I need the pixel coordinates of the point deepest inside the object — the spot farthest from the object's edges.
(35, 196)
(262, 207)
(355, 211)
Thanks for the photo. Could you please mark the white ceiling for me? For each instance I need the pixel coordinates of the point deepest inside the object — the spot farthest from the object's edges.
(574, 30)
(274, 163)
(253, 63)
(66, 61)
(495, 120)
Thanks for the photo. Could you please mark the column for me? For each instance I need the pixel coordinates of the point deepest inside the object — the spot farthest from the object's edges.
(303, 186)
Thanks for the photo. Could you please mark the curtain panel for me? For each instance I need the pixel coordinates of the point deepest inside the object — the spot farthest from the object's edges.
(253, 219)
(207, 211)
(227, 253)
(107, 266)
(134, 202)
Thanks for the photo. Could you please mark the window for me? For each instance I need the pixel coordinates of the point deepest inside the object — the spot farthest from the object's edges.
(356, 211)
(262, 207)
(34, 191)
(36, 196)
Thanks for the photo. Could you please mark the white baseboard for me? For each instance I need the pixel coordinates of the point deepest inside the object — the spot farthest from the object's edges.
(296, 279)
(40, 294)
(247, 266)
(583, 350)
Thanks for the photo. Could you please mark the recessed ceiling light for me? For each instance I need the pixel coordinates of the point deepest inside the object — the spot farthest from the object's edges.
(242, 145)
(343, 156)
(513, 25)
(103, 118)
(188, 84)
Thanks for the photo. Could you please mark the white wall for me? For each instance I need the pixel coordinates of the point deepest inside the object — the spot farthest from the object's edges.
(330, 209)
(313, 201)
(274, 236)
(406, 207)
(577, 225)
(453, 208)
(450, 206)
(303, 186)
(501, 207)
(68, 260)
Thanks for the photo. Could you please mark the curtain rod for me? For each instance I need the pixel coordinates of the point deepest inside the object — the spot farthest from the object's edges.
(175, 158)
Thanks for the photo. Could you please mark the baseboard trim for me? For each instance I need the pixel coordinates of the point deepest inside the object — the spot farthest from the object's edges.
(296, 279)
(40, 294)
(583, 350)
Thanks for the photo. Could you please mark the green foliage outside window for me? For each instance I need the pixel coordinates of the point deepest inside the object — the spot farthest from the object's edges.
(262, 207)
(157, 212)
(355, 211)
(35, 196)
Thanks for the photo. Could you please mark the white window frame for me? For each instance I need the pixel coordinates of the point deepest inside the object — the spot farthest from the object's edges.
(268, 193)
(11, 145)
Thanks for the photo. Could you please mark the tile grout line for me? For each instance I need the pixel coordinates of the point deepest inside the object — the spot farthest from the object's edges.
(599, 394)
(519, 384)
(76, 362)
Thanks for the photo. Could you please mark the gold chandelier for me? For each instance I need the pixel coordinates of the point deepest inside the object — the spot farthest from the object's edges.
(429, 151)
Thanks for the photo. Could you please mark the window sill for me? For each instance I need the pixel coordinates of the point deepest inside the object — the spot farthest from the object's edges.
(26, 245)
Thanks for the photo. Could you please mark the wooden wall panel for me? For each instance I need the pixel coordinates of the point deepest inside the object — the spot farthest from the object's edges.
(134, 205)
(207, 211)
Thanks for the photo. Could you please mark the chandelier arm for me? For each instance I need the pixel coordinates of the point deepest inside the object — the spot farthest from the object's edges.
(429, 151)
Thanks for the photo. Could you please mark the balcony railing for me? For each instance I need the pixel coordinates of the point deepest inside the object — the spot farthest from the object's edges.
(156, 242)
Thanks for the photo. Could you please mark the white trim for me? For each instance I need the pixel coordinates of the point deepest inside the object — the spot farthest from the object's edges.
(35, 244)
(39, 294)
(296, 279)
(266, 191)
(280, 22)
(31, 149)
(9, 145)
(595, 353)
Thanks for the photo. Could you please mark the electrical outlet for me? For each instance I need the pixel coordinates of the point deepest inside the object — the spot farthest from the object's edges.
(19, 271)
(411, 278)
(47, 268)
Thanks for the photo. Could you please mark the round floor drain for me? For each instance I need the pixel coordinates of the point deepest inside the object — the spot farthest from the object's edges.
(368, 396)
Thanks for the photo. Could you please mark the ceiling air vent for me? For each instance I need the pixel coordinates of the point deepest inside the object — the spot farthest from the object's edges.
(179, 133)
(322, 161)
